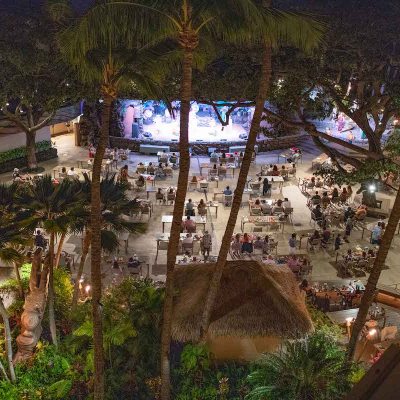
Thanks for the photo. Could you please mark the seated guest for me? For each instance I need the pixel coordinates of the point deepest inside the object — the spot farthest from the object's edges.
(293, 263)
(227, 191)
(236, 245)
(349, 213)
(63, 173)
(160, 195)
(189, 208)
(325, 200)
(275, 171)
(343, 195)
(316, 197)
(334, 193)
(286, 203)
(259, 243)
(134, 265)
(163, 157)
(160, 171)
(222, 169)
(214, 170)
(202, 208)
(189, 225)
(269, 170)
(140, 182)
(376, 234)
(361, 212)
(151, 169)
(214, 157)
(124, 174)
(319, 183)
(267, 244)
(317, 214)
(188, 239)
(71, 172)
(326, 235)
(247, 244)
(173, 159)
(265, 207)
(311, 184)
(277, 206)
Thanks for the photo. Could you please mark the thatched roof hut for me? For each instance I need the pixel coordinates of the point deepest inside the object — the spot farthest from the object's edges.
(257, 307)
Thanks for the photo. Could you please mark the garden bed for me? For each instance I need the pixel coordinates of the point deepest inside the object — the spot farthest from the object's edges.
(16, 158)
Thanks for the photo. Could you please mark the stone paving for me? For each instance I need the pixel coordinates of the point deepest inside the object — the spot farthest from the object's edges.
(144, 245)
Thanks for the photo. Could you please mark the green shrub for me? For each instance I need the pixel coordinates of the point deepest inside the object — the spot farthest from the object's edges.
(20, 152)
(48, 376)
(198, 378)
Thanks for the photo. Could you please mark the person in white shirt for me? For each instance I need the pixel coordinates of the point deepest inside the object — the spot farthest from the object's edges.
(286, 203)
(71, 172)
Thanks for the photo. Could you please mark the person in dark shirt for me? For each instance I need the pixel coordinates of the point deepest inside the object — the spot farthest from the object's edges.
(40, 241)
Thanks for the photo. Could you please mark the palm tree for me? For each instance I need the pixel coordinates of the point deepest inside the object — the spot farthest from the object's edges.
(370, 289)
(104, 54)
(115, 207)
(297, 30)
(8, 340)
(48, 206)
(311, 369)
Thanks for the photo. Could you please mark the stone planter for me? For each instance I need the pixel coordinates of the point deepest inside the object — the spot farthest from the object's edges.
(45, 155)
(201, 148)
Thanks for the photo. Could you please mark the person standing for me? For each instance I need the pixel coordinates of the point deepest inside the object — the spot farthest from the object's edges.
(292, 244)
(206, 243)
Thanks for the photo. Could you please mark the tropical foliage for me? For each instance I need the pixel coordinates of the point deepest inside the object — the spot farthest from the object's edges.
(315, 368)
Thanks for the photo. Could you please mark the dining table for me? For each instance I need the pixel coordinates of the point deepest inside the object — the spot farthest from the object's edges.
(199, 220)
(261, 220)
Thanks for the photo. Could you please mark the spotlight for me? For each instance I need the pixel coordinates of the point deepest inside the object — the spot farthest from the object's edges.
(372, 188)
(87, 289)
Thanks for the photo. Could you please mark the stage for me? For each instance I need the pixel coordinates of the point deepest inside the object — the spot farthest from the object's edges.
(148, 121)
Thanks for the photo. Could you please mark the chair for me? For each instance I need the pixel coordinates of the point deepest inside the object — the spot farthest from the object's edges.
(141, 169)
(204, 186)
(202, 211)
(255, 211)
(171, 197)
(160, 198)
(187, 248)
(285, 174)
(228, 199)
(315, 219)
(145, 210)
(213, 160)
(313, 243)
(168, 172)
(192, 185)
(222, 172)
(315, 202)
(289, 213)
(335, 200)
(266, 210)
(278, 210)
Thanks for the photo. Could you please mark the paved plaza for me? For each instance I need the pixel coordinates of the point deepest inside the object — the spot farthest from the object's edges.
(145, 245)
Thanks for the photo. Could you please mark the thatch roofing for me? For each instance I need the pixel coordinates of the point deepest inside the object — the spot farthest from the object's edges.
(254, 300)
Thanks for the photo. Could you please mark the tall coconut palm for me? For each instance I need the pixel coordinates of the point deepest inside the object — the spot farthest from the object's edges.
(297, 30)
(188, 22)
(370, 289)
(104, 54)
(115, 207)
(48, 206)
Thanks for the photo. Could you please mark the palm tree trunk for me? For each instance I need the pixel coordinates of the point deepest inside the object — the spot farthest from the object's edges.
(95, 225)
(52, 317)
(186, 92)
(85, 251)
(373, 279)
(265, 78)
(18, 277)
(7, 334)
(59, 250)
(31, 150)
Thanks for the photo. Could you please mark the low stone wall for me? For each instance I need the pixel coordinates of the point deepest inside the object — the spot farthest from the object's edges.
(22, 162)
(283, 142)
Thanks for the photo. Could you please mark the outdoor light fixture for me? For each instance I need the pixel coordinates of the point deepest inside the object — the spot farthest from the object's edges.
(349, 320)
(371, 332)
(87, 289)
(372, 188)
